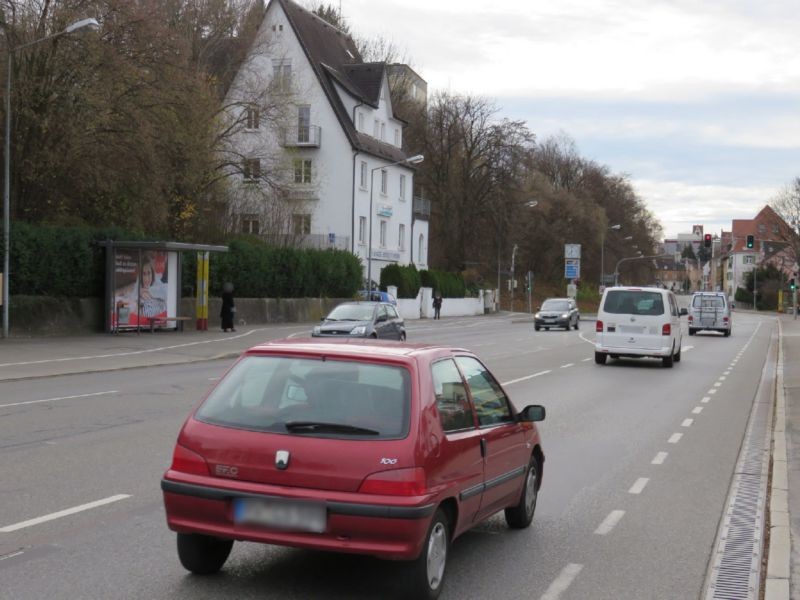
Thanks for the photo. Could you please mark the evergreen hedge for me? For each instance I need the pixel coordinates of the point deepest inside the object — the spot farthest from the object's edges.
(406, 278)
(67, 262)
(449, 285)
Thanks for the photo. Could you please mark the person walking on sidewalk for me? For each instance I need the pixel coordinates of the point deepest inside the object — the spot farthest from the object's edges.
(437, 305)
(228, 311)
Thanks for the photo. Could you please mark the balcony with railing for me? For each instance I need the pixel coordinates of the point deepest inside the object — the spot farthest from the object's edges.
(302, 135)
(422, 208)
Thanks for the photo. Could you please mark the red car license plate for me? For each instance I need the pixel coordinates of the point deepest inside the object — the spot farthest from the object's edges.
(280, 514)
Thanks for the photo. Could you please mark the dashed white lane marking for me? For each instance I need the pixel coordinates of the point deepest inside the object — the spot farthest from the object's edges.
(513, 381)
(660, 458)
(610, 522)
(726, 373)
(722, 378)
(712, 391)
(587, 359)
(697, 410)
(60, 398)
(214, 378)
(566, 366)
(686, 348)
(562, 582)
(12, 555)
(63, 513)
(717, 384)
(675, 438)
(637, 487)
(705, 399)
(687, 422)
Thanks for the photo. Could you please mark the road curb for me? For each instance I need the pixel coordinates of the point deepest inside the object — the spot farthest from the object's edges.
(780, 546)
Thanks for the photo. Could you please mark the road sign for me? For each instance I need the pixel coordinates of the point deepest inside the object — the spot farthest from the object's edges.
(572, 251)
(572, 268)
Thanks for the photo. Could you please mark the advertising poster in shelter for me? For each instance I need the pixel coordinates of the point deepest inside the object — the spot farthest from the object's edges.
(145, 288)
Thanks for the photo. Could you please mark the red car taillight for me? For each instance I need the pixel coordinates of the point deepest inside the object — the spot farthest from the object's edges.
(598, 327)
(397, 482)
(666, 329)
(186, 461)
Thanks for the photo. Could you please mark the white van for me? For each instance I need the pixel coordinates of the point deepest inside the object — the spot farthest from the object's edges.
(709, 311)
(638, 322)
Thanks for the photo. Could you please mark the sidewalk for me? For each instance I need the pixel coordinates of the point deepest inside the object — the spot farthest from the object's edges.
(44, 357)
(783, 571)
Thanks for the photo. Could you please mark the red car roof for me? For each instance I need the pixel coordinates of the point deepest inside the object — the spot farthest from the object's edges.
(353, 347)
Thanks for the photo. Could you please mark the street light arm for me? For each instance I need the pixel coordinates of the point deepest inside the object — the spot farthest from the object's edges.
(622, 260)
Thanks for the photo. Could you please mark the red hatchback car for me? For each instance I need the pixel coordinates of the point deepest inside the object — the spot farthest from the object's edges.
(385, 449)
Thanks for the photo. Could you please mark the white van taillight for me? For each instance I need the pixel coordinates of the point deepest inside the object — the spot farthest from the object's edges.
(598, 327)
(691, 318)
(666, 329)
(725, 319)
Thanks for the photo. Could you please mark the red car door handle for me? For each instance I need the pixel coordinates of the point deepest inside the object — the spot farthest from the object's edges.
(483, 447)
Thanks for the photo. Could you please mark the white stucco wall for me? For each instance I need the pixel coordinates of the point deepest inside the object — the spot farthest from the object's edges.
(422, 306)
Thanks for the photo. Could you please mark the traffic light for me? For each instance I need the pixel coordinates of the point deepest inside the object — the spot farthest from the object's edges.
(792, 285)
(707, 240)
(751, 241)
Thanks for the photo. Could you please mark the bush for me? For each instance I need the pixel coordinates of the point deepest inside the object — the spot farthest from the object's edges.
(67, 262)
(406, 278)
(449, 285)
(261, 271)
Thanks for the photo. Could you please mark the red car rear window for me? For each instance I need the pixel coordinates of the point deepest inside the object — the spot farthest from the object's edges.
(312, 397)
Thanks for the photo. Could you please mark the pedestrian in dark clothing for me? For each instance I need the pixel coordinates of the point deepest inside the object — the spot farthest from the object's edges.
(228, 311)
(437, 306)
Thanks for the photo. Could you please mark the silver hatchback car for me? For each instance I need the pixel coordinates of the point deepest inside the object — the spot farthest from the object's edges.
(710, 311)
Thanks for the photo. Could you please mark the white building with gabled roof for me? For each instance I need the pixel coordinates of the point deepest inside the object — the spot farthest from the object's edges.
(319, 140)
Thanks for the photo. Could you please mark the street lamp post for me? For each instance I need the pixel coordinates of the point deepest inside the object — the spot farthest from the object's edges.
(413, 160)
(528, 204)
(602, 252)
(82, 25)
(629, 258)
(513, 256)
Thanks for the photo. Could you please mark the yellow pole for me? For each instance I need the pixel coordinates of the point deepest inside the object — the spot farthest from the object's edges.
(202, 291)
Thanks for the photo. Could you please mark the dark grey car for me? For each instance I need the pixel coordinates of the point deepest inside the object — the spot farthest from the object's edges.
(363, 320)
(557, 312)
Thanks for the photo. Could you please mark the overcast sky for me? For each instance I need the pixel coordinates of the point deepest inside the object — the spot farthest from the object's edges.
(697, 101)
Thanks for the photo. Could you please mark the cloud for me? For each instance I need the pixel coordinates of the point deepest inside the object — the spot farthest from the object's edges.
(680, 205)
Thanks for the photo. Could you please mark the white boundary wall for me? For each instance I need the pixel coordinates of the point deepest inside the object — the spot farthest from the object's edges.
(421, 307)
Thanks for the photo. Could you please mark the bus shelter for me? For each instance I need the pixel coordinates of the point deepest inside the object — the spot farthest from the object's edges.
(143, 285)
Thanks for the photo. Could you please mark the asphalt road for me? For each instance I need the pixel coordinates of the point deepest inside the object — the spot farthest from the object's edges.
(638, 468)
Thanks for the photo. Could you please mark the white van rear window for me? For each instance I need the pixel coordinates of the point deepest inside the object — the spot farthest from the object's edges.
(708, 302)
(631, 302)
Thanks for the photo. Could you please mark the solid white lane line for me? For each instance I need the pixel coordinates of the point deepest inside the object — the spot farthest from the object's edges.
(580, 335)
(562, 582)
(687, 422)
(675, 438)
(697, 410)
(213, 378)
(525, 378)
(566, 366)
(637, 487)
(12, 555)
(660, 458)
(60, 398)
(705, 399)
(686, 348)
(712, 391)
(610, 522)
(63, 513)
